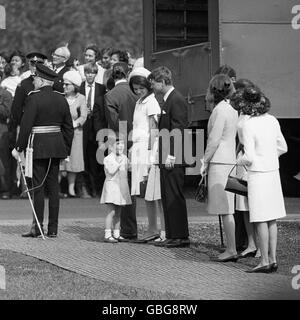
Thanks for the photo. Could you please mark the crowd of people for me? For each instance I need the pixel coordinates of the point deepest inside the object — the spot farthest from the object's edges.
(110, 89)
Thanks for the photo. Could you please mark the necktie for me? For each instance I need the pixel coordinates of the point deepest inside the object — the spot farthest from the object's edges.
(89, 100)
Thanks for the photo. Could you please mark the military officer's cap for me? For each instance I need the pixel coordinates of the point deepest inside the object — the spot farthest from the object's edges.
(44, 72)
(36, 57)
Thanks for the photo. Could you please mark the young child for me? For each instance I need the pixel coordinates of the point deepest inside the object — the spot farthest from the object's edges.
(115, 193)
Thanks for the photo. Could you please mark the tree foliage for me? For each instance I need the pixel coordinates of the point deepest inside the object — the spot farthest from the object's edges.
(42, 24)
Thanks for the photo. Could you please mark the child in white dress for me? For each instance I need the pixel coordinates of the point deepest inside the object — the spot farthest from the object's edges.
(115, 193)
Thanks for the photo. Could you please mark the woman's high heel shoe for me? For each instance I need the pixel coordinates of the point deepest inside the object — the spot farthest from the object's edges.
(263, 269)
(274, 267)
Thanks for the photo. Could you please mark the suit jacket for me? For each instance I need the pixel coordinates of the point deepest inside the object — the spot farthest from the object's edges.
(221, 130)
(97, 119)
(45, 107)
(173, 116)
(263, 143)
(58, 82)
(119, 106)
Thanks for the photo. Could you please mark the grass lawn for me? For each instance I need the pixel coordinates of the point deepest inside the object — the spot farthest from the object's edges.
(32, 279)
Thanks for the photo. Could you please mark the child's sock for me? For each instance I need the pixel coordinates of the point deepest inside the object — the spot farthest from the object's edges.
(116, 233)
(107, 233)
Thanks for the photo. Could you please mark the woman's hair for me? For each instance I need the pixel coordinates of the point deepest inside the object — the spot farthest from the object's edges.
(142, 81)
(93, 47)
(123, 56)
(220, 88)
(20, 54)
(7, 70)
(226, 69)
(254, 102)
(243, 83)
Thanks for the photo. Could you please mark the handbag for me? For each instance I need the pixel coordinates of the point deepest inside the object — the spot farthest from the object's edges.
(236, 185)
(143, 187)
(201, 190)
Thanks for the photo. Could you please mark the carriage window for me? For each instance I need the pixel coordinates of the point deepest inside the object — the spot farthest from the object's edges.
(180, 23)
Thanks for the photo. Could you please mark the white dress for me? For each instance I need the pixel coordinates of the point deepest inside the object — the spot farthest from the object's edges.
(263, 144)
(115, 189)
(140, 138)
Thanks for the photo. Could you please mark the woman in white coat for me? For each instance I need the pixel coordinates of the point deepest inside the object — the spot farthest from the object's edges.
(219, 158)
(263, 144)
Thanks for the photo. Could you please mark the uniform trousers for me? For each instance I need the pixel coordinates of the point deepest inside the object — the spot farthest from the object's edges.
(40, 168)
(173, 202)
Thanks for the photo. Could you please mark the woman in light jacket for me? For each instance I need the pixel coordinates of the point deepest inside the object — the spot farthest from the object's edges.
(263, 144)
(220, 157)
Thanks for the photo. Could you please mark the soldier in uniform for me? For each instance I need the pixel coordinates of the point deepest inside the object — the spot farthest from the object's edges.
(17, 109)
(47, 128)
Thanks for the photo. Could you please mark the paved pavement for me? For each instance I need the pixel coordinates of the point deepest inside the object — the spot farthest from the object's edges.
(187, 272)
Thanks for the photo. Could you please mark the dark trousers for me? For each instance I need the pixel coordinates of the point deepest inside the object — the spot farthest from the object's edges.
(128, 223)
(94, 175)
(240, 231)
(173, 202)
(40, 168)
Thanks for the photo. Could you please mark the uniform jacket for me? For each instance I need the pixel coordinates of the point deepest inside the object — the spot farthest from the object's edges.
(46, 107)
(173, 116)
(221, 131)
(119, 106)
(263, 143)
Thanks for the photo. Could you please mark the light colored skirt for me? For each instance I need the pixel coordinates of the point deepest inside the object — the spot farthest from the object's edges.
(153, 184)
(219, 200)
(76, 161)
(265, 196)
(116, 192)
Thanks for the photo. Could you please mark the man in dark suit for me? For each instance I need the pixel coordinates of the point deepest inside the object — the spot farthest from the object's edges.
(47, 126)
(119, 106)
(94, 92)
(59, 59)
(171, 158)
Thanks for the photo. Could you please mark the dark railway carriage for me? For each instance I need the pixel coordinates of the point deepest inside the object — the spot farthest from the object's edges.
(260, 39)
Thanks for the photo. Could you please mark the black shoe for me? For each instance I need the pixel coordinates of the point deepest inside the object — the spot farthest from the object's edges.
(274, 266)
(29, 234)
(233, 258)
(264, 269)
(126, 239)
(162, 243)
(178, 243)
